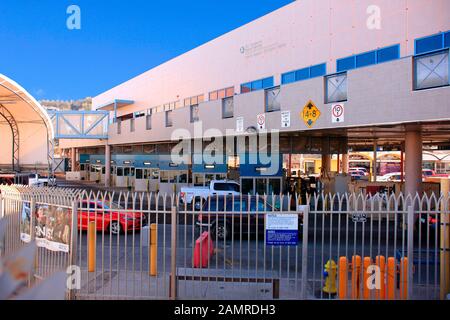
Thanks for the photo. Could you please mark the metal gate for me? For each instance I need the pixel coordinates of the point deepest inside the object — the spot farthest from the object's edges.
(152, 246)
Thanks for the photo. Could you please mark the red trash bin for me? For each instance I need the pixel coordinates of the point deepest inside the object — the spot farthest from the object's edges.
(205, 245)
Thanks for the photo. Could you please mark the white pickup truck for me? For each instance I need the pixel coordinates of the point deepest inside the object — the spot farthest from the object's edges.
(36, 180)
(216, 187)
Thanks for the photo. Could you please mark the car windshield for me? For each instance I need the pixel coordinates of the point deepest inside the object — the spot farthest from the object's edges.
(112, 205)
(226, 186)
(236, 205)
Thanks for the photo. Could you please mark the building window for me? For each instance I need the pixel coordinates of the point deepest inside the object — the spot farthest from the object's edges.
(368, 58)
(148, 121)
(432, 43)
(304, 74)
(221, 94)
(139, 114)
(271, 99)
(194, 113)
(388, 54)
(336, 88)
(431, 70)
(119, 125)
(228, 107)
(194, 100)
(132, 125)
(169, 122)
(257, 85)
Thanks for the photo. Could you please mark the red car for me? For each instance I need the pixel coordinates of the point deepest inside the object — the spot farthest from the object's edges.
(112, 219)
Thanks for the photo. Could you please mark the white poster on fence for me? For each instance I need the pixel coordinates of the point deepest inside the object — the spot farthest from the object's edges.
(53, 227)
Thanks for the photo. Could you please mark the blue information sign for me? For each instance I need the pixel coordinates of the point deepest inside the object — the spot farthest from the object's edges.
(281, 229)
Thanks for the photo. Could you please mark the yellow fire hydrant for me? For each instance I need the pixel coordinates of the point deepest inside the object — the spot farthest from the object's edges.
(330, 273)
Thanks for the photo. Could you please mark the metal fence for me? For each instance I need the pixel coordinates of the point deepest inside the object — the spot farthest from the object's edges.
(152, 246)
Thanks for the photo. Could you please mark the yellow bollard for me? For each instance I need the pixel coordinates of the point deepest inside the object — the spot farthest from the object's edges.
(366, 291)
(356, 272)
(153, 250)
(91, 246)
(343, 277)
(391, 273)
(404, 278)
(381, 263)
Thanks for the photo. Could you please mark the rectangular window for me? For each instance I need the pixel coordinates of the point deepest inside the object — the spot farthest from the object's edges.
(229, 92)
(169, 118)
(431, 43)
(119, 125)
(388, 54)
(193, 100)
(431, 70)
(221, 94)
(139, 114)
(139, 173)
(131, 125)
(228, 107)
(257, 85)
(194, 113)
(213, 96)
(447, 40)
(336, 88)
(366, 59)
(304, 73)
(267, 82)
(288, 77)
(272, 103)
(246, 87)
(346, 64)
(318, 70)
(148, 122)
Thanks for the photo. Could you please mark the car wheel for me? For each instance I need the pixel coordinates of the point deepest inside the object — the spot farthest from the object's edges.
(115, 227)
(222, 231)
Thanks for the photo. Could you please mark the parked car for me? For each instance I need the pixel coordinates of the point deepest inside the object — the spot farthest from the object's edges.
(36, 180)
(390, 177)
(111, 218)
(244, 216)
(216, 187)
(219, 214)
(363, 169)
(428, 173)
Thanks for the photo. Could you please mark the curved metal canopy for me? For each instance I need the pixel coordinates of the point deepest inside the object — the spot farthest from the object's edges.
(19, 109)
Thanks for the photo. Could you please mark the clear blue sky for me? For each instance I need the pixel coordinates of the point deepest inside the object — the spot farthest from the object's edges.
(118, 40)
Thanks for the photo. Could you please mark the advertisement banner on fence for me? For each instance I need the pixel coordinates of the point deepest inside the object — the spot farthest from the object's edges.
(281, 229)
(25, 222)
(53, 227)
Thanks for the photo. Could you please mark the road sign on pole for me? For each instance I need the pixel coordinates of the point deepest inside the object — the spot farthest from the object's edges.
(310, 114)
(285, 119)
(261, 121)
(337, 113)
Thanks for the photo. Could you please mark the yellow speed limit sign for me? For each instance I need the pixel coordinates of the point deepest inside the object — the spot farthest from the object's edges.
(310, 114)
